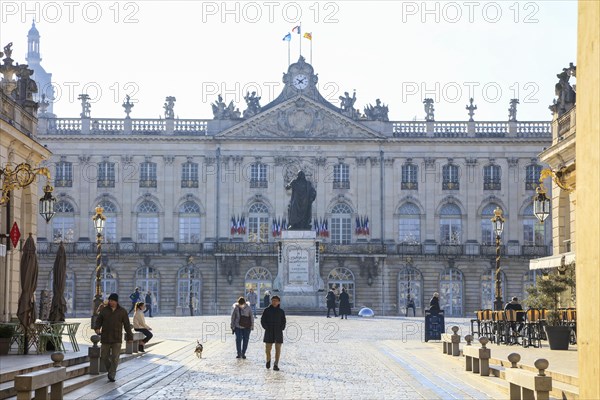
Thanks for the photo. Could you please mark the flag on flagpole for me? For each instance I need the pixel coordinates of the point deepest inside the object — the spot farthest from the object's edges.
(232, 229)
(307, 35)
(297, 28)
(367, 226)
(287, 37)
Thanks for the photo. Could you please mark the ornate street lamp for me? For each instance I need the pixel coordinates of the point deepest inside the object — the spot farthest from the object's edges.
(498, 223)
(99, 222)
(47, 204)
(190, 270)
(541, 204)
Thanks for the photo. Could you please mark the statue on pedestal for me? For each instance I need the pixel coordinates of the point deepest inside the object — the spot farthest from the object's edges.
(300, 207)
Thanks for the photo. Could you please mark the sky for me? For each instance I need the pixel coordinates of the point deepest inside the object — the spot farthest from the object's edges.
(398, 51)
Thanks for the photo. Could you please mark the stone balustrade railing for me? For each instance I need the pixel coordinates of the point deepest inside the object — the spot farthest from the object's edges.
(485, 129)
(125, 126)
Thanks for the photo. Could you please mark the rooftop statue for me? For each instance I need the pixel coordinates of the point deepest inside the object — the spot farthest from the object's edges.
(471, 108)
(347, 105)
(564, 91)
(252, 100)
(300, 207)
(85, 105)
(429, 110)
(379, 112)
(512, 111)
(26, 86)
(220, 111)
(169, 107)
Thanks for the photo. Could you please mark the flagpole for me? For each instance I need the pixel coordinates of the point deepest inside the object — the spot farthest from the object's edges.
(289, 41)
(300, 37)
(310, 50)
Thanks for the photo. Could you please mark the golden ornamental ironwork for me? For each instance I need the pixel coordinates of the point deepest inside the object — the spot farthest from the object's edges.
(19, 177)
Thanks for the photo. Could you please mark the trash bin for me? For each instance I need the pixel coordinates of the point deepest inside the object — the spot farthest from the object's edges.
(434, 325)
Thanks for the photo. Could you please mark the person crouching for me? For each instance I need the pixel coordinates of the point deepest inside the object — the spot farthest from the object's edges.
(139, 325)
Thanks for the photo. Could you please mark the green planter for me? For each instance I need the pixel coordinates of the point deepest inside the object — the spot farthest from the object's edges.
(558, 337)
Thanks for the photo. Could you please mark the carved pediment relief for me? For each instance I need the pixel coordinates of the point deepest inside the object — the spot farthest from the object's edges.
(300, 118)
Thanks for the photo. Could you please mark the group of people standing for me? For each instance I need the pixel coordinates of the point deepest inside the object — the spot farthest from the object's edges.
(272, 321)
(344, 299)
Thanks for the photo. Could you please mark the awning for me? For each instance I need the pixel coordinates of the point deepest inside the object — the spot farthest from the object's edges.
(552, 261)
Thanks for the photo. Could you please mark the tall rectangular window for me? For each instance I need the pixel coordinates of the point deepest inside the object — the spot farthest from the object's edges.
(148, 175)
(147, 229)
(64, 174)
(533, 232)
(341, 230)
(189, 175)
(106, 174)
(341, 176)
(258, 175)
(409, 177)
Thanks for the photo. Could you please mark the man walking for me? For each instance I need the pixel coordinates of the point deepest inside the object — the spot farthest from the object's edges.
(330, 298)
(135, 297)
(148, 303)
(252, 299)
(109, 325)
(273, 322)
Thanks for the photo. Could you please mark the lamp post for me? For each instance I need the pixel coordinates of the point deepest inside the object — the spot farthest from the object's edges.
(498, 223)
(99, 221)
(541, 204)
(190, 269)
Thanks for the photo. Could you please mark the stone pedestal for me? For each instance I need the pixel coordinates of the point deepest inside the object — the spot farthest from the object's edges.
(298, 281)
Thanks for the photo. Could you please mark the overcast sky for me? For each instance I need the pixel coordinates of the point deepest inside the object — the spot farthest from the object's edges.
(400, 52)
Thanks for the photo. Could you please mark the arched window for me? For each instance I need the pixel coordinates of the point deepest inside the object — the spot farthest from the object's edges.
(108, 282)
(258, 223)
(260, 280)
(409, 173)
(189, 282)
(69, 292)
(410, 286)
(342, 278)
(488, 289)
(532, 176)
(341, 224)
(110, 225)
(534, 231)
(189, 222)
(147, 222)
(450, 224)
(451, 292)
(409, 224)
(488, 236)
(450, 178)
(147, 278)
(491, 177)
(63, 223)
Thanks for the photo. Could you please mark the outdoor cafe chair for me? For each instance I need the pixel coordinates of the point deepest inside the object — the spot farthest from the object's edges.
(532, 329)
(72, 334)
(487, 324)
(513, 327)
(52, 334)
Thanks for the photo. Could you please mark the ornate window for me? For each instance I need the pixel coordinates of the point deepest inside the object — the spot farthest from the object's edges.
(451, 292)
(409, 177)
(64, 174)
(450, 178)
(410, 285)
(534, 231)
(189, 223)
(260, 280)
(488, 288)
(450, 224)
(258, 175)
(409, 224)
(258, 223)
(189, 175)
(189, 282)
(147, 222)
(532, 176)
(491, 177)
(341, 224)
(147, 278)
(148, 175)
(341, 176)
(339, 278)
(110, 225)
(488, 236)
(63, 223)
(106, 174)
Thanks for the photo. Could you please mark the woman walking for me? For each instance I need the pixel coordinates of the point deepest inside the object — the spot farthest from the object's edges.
(242, 322)
(139, 325)
(344, 304)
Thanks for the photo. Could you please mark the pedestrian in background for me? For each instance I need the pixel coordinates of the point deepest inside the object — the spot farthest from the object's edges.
(266, 299)
(148, 303)
(411, 304)
(252, 298)
(330, 298)
(135, 297)
(139, 325)
(242, 322)
(344, 304)
(434, 303)
(273, 322)
(109, 325)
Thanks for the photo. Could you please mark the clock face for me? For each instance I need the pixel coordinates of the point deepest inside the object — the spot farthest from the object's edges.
(300, 81)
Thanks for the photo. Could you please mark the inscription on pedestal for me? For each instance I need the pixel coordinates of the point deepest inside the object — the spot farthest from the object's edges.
(298, 266)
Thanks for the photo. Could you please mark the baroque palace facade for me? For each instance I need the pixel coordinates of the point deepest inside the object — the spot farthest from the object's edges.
(197, 205)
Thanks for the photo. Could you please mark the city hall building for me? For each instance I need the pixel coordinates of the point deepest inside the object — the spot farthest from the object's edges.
(195, 207)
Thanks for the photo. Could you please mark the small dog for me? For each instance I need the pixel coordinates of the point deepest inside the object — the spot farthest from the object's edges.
(199, 349)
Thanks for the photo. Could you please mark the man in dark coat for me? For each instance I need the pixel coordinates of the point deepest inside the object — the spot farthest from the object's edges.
(344, 304)
(273, 322)
(148, 303)
(434, 304)
(330, 303)
(109, 325)
(515, 305)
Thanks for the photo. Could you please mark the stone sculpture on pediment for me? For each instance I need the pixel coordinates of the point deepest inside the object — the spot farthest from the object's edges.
(223, 112)
(253, 103)
(378, 112)
(26, 86)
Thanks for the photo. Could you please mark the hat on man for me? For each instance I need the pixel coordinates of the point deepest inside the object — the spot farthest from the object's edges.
(114, 296)
(275, 297)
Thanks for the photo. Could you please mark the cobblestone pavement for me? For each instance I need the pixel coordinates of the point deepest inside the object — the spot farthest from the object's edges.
(352, 359)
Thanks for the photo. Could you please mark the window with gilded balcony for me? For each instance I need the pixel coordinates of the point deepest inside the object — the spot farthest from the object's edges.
(63, 176)
(189, 175)
(341, 176)
(450, 177)
(532, 176)
(491, 177)
(106, 174)
(258, 175)
(409, 177)
(148, 175)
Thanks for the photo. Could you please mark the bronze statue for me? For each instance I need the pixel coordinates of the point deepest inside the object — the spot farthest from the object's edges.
(300, 207)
